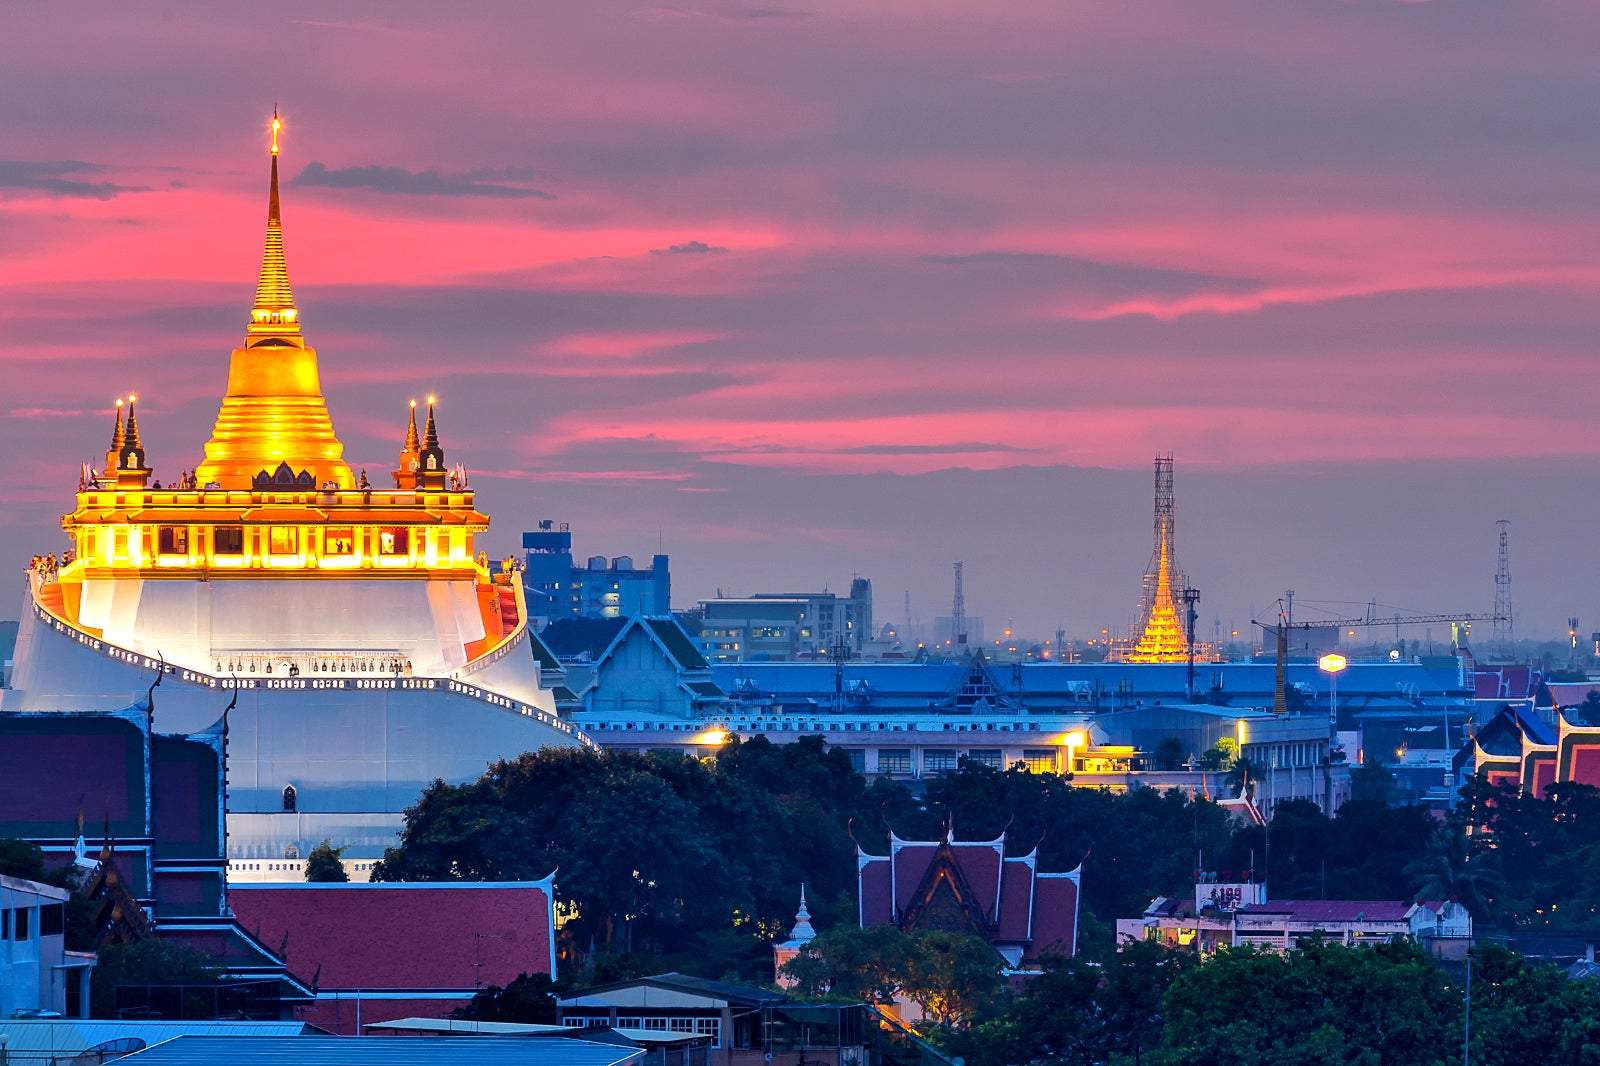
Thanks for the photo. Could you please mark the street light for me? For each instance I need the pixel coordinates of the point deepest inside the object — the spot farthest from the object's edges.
(1331, 664)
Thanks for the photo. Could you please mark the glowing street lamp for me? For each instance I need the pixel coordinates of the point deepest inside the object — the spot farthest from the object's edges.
(1331, 664)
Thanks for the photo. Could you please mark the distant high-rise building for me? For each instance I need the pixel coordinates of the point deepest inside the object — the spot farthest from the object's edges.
(785, 626)
(557, 588)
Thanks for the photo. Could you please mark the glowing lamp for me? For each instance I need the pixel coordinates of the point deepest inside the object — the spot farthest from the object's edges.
(712, 737)
(1333, 662)
(1075, 739)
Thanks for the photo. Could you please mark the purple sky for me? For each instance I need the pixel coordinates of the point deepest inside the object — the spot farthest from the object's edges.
(797, 291)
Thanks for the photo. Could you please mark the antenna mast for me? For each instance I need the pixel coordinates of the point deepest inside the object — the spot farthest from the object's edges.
(958, 611)
(1504, 632)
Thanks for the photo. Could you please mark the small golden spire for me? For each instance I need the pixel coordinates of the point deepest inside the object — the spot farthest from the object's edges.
(131, 440)
(276, 126)
(117, 435)
(411, 431)
(430, 436)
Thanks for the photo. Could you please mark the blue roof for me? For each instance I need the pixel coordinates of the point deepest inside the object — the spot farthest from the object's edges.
(380, 1051)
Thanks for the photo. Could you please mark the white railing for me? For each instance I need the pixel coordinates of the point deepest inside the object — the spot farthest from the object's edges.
(292, 684)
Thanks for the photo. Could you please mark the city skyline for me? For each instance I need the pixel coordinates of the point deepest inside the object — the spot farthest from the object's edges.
(800, 292)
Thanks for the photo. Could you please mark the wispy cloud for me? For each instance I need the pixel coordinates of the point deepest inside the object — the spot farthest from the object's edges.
(488, 182)
(689, 248)
(62, 178)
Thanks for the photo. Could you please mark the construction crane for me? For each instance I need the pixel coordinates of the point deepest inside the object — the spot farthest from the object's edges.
(1281, 631)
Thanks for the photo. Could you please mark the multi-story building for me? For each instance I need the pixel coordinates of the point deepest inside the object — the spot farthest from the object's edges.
(557, 588)
(786, 626)
(1240, 914)
(37, 972)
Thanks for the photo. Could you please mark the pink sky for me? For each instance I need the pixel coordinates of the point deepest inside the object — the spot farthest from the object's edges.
(796, 291)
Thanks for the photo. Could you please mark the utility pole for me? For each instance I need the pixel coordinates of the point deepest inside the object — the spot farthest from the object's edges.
(840, 654)
(1191, 600)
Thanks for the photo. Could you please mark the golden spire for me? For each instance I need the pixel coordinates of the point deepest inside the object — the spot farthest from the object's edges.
(274, 411)
(430, 457)
(274, 314)
(430, 436)
(117, 435)
(405, 477)
(131, 439)
(411, 431)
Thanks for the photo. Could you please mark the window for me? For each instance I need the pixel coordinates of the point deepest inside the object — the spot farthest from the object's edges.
(629, 1023)
(894, 760)
(984, 757)
(655, 1025)
(575, 1023)
(858, 760)
(933, 761)
(711, 1027)
(339, 540)
(228, 540)
(680, 1025)
(51, 920)
(172, 540)
(394, 540)
(5, 924)
(283, 540)
(20, 923)
(1039, 760)
(291, 799)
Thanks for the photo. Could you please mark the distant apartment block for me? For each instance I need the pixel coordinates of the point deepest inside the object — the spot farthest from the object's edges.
(558, 588)
(785, 626)
(37, 973)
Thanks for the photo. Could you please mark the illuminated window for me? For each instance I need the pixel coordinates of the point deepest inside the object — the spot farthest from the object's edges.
(228, 540)
(172, 540)
(283, 540)
(1039, 760)
(339, 540)
(395, 540)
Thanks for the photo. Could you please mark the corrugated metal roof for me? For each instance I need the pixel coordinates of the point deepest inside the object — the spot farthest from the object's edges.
(27, 1036)
(381, 1051)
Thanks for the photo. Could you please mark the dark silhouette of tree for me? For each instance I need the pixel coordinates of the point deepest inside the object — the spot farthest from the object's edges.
(1450, 870)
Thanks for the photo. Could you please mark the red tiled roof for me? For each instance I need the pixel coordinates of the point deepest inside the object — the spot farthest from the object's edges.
(1016, 901)
(378, 936)
(1055, 915)
(874, 887)
(1333, 910)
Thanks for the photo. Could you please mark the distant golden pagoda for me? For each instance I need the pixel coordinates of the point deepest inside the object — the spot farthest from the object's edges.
(1163, 639)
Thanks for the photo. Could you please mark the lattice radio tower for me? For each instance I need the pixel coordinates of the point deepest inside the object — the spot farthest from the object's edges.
(958, 611)
(1504, 632)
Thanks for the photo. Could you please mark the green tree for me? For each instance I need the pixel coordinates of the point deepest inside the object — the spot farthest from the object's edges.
(1323, 1003)
(1451, 870)
(954, 978)
(323, 864)
(21, 858)
(870, 965)
(1221, 755)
